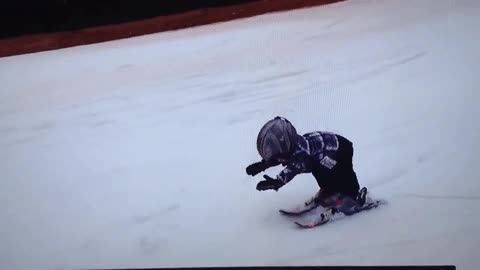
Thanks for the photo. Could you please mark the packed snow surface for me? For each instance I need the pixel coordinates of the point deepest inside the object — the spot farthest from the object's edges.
(132, 153)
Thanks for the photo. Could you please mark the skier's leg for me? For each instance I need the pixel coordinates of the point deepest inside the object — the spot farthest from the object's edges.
(342, 180)
(345, 173)
(351, 181)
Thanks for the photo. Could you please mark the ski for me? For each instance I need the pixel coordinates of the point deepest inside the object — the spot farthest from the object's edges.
(298, 212)
(317, 219)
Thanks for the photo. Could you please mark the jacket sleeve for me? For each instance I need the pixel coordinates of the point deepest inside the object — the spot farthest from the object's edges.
(295, 167)
(268, 164)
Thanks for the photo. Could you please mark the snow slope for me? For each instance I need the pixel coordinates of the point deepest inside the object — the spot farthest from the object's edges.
(132, 153)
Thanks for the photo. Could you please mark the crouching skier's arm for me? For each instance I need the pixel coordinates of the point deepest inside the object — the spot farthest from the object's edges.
(258, 167)
(283, 177)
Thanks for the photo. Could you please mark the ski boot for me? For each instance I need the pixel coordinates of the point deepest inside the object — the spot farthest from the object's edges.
(363, 198)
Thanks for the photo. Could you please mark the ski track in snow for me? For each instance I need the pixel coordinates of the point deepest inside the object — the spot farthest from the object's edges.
(131, 153)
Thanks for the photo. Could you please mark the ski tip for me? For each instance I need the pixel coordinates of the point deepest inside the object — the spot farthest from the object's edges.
(309, 225)
(283, 212)
(304, 226)
(286, 213)
(289, 213)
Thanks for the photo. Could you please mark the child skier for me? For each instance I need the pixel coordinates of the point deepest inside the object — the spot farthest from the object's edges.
(326, 155)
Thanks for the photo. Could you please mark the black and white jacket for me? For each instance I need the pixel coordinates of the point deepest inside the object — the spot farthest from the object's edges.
(315, 150)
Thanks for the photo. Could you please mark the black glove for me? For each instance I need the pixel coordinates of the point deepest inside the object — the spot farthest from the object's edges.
(269, 183)
(256, 168)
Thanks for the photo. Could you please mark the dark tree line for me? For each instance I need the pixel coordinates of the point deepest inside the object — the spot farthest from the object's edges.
(30, 17)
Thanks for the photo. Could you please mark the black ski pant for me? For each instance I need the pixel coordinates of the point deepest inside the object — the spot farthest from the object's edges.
(341, 178)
